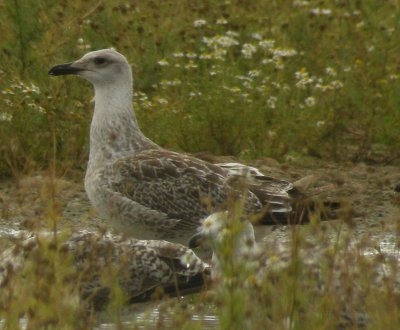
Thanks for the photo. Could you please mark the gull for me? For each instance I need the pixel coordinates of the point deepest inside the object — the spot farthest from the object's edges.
(141, 267)
(149, 192)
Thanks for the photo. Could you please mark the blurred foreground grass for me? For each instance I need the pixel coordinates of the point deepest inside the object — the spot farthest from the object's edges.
(287, 79)
(321, 276)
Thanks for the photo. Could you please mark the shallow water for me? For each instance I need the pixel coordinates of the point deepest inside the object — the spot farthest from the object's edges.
(149, 320)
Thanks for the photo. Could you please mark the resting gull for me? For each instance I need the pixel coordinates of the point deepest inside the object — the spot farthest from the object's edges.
(146, 191)
(141, 267)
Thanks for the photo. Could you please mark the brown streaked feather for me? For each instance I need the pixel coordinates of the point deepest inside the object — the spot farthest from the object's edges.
(139, 266)
(174, 184)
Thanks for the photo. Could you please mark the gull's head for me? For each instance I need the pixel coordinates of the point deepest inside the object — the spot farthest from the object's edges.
(100, 67)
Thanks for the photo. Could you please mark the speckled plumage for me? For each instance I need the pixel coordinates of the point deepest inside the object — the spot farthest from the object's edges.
(140, 266)
(146, 191)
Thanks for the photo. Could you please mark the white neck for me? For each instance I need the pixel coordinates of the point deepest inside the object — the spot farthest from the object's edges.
(114, 130)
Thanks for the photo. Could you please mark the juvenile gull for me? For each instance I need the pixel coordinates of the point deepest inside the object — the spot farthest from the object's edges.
(146, 191)
(140, 266)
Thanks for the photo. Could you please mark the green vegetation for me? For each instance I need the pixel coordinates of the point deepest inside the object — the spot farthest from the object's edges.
(286, 79)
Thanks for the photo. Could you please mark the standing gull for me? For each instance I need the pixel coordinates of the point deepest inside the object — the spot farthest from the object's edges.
(146, 191)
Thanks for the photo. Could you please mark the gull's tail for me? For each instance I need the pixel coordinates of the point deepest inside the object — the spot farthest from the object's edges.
(285, 202)
(303, 203)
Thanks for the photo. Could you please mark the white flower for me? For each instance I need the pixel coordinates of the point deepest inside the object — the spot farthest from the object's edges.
(7, 91)
(256, 36)
(321, 87)
(247, 85)
(178, 54)
(276, 84)
(163, 62)
(191, 55)
(222, 21)
(218, 40)
(199, 22)
(248, 50)
(302, 74)
(232, 34)
(284, 52)
(360, 25)
(174, 82)
(254, 73)
(330, 72)
(271, 102)
(205, 56)
(213, 225)
(267, 43)
(266, 61)
(299, 3)
(220, 53)
(310, 101)
(243, 78)
(321, 11)
(162, 101)
(191, 65)
(4, 116)
(227, 41)
(370, 48)
(336, 84)
(303, 79)
(194, 94)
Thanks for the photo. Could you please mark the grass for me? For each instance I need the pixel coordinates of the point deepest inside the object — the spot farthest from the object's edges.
(291, 80)
(288, 79)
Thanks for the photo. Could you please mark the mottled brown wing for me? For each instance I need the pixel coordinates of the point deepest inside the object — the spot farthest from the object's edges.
(181, 186)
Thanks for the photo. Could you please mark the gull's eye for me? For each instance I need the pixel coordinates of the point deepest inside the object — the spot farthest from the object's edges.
(99, 60)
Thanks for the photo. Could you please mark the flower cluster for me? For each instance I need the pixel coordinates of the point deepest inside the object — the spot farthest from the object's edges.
(260, 85)
(321, 11)
(19, 87)
(5, 116)
(199, 23)
(16, 93)
(81, 44)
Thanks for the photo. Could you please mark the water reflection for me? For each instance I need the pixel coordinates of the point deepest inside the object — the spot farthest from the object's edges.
(150, 319)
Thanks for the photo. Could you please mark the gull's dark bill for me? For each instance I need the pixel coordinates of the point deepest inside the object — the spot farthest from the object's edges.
(64, 69)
